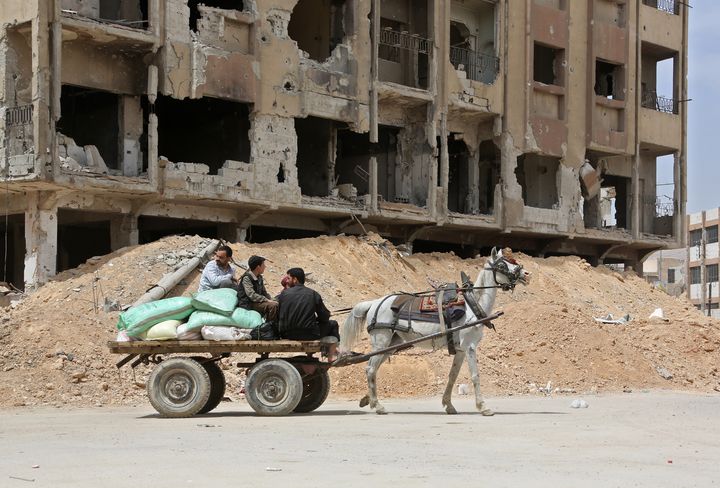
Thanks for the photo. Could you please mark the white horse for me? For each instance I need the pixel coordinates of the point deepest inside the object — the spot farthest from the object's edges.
(498, 272)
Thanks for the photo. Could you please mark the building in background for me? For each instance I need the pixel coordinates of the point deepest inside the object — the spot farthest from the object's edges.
(703, 260)
(666, 269)
(463, 124)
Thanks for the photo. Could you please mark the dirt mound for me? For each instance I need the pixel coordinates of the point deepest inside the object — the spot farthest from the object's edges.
(52, 345)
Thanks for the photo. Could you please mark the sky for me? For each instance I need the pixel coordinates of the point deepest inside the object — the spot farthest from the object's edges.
(704, 109)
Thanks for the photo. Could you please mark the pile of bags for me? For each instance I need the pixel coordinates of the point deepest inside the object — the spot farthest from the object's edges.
(211, 315)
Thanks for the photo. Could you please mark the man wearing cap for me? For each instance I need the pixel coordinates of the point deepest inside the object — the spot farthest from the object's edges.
(252, 294)
(303, 315)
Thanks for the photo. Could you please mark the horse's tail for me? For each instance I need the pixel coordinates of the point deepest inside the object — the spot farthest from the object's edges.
(354, 323)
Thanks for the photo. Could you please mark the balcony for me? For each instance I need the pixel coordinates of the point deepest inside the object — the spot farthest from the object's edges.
(669, 6)
(478, 66)
(651, 100)
(404, 58)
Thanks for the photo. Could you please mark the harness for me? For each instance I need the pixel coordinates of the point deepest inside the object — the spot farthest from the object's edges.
(498, 266)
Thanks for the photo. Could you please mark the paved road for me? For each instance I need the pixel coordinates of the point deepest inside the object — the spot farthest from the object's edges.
(645, 439)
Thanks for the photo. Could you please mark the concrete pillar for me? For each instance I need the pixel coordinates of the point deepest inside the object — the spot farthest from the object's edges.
(41, 226)
(131, 130)
(472, 201)
(124, 231)
(373, 183)
(153, 170)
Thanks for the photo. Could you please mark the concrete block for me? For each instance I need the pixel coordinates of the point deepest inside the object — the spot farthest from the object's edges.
(236, 165)
(94, 160)
(176, 182)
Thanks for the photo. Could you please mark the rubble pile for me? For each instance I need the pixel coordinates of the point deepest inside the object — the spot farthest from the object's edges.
(53, 343)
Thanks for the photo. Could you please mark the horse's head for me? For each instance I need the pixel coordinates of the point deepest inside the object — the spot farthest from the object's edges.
(506, 271)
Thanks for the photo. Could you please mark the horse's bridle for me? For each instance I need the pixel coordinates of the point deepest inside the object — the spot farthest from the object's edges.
(500, 265)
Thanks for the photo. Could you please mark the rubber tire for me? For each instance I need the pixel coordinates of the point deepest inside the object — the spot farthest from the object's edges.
(217, 385)
(316, 388)
(192, 387)
(273, 387)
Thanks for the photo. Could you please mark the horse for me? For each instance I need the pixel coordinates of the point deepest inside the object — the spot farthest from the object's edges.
(498, 272)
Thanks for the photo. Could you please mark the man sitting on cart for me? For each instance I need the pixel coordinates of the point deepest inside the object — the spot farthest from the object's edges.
(251, 291)
(218, 273)
(303, 315)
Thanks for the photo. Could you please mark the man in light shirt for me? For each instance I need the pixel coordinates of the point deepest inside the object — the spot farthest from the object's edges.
(218, 273)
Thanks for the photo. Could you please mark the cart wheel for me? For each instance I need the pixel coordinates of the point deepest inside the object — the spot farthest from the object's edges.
(217, 385)
(179, 387)
(315, 391)
(274, 387)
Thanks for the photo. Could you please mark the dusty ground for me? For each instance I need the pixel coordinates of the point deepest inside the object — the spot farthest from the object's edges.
(52, 345)
(621, 440)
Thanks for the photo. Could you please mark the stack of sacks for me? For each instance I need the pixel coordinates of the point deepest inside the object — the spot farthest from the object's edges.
(137, 322)
(218, 319)
(211, 314)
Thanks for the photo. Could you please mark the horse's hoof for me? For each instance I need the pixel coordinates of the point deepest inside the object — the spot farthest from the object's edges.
(450, 410)
(380, 411)
(486, 412)
(364, 401)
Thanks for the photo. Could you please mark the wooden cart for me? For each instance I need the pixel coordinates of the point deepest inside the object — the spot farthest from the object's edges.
(182, 386)
(187, 385)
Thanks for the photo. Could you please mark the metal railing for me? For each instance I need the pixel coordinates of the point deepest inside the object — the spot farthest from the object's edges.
(651, 100)
(17, 116)
(669, 6)
(404, 40)
(478, 66)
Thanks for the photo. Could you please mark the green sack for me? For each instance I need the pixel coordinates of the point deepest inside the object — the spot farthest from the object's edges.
(221, 300)
(137, 320)
(241, 318)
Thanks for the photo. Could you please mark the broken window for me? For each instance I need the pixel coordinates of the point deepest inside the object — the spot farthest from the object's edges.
(318, 26)
(195, 13)
(537, 176)
(659, 78)
(206, 130)
(695, 237)
(90, 123)
(614, 202)
(547, 65)
(403, 44)
(129, 13)
(102, 132)
(12, 250)
(472, 178)
(352, 164)
(609, 80)
(81, 235)
(315, 155)
(472, 41)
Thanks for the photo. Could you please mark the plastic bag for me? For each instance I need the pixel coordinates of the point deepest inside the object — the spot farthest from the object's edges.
(219, 333)
(221, 300)
(184, 333)
(137, 320)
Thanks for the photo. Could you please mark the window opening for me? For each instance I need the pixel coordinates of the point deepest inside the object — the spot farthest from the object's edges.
(318, 26)
(547, 65)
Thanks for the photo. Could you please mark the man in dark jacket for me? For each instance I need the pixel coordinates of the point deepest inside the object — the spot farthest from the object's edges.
(303, 315)
(252, 294)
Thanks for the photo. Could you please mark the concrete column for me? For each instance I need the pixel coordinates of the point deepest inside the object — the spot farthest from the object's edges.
(373, 182)
(41, 93)
(41, 227)
(472, 201)
(124, 231)
(153, 171)
(375, 40)
(131, 129)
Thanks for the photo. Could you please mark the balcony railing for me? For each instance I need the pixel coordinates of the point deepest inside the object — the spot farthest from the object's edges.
(478, 66)
(404, 40)
(17, 116)
(669, 6)
(651, 100)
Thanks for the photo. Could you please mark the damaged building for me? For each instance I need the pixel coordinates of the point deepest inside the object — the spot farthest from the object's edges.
(456, 125)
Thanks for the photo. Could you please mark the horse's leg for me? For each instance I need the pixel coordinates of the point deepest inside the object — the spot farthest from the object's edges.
(379, 339)
(452, 378)
(475, 376)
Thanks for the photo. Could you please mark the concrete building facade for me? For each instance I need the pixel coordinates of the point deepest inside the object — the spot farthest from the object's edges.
(467, 123)
(703, 259)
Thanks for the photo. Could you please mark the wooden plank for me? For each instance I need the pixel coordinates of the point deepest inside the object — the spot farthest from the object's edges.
(214, 347)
